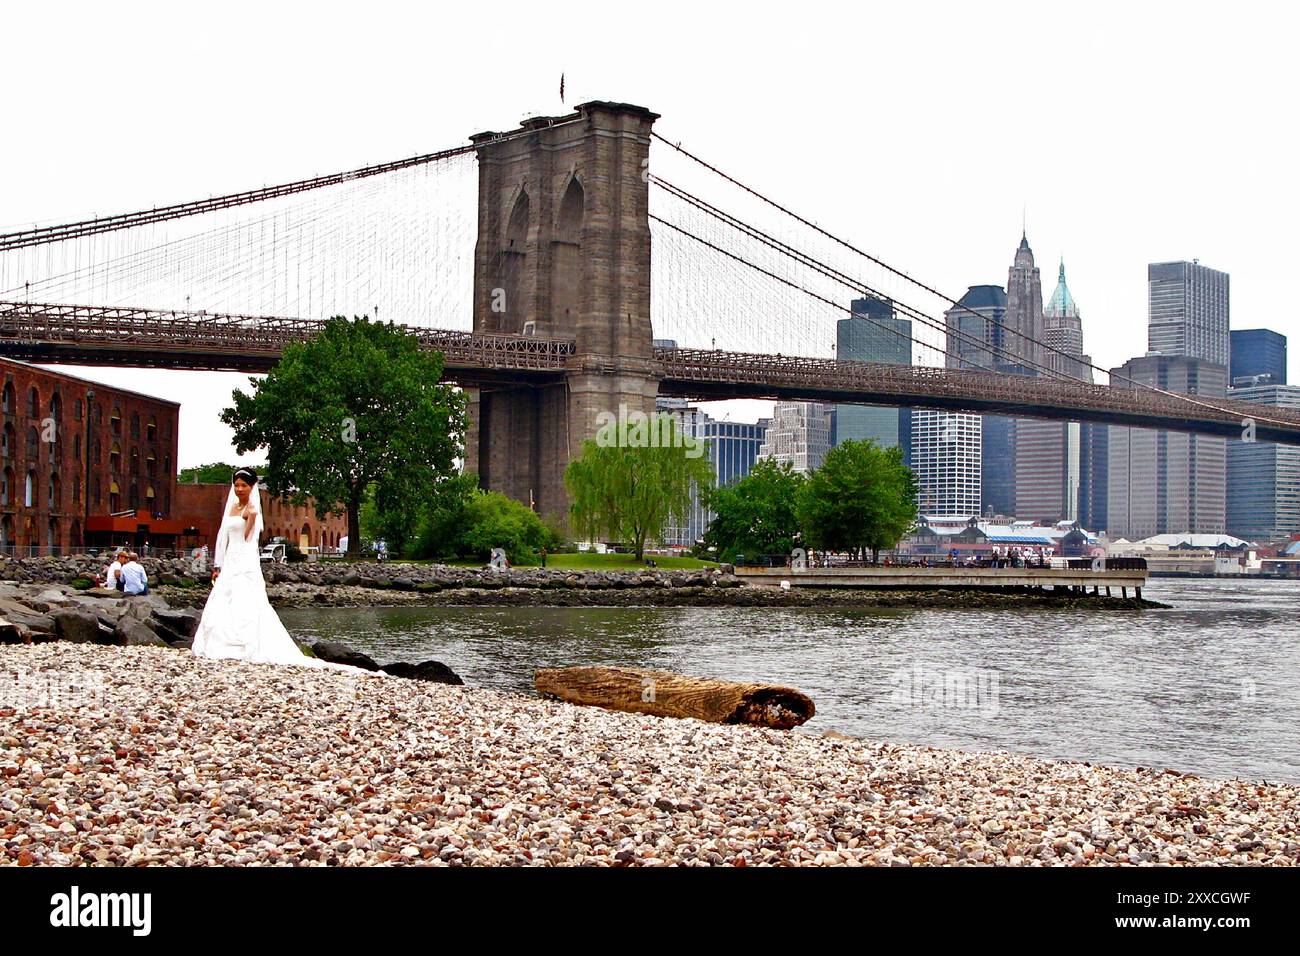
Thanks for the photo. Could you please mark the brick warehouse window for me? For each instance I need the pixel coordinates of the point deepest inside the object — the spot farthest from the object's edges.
(135, 424)
(8, 398)
(135, 461)
(29, 492)
(33, 444)
(8, 440)
(151, 430)
(115, 457)
(34, 403)
(7, 487)
(76, 410)
(115, 422)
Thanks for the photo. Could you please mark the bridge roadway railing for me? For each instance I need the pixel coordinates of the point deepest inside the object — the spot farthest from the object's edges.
(42, 330)
(717, 374)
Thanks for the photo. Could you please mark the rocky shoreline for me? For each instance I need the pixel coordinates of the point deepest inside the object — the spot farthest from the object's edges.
(372, 584)
(172, 759)
(42, 614)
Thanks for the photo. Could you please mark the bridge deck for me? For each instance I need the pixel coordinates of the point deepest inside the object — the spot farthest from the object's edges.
(53, 333)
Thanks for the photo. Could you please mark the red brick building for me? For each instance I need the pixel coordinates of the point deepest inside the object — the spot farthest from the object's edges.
(83, 464)
(199, 509)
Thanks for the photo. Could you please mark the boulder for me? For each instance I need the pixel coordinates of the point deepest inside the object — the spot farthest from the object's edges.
(184, 622)
(13, 633)
(433, 671)
(342, 654)
(80, 627)
(133, 633)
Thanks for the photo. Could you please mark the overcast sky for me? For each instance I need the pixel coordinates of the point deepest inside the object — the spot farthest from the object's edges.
(1125, 133)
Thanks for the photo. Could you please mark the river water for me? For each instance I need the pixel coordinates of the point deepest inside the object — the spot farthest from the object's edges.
(1211, 686)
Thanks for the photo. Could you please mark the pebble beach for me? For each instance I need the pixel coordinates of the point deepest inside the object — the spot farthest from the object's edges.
(125, 756)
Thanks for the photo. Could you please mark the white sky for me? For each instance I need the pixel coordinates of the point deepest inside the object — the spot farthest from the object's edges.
(1130, 132)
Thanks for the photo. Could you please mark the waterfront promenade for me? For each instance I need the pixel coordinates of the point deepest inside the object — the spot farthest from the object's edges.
(1085, 579)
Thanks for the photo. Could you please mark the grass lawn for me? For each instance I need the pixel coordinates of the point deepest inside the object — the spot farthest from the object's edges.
(589, 561)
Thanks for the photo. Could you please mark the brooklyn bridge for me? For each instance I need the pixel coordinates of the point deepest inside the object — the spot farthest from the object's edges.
(574, 277)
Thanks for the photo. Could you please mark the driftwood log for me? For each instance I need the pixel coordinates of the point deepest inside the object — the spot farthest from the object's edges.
(666, 694)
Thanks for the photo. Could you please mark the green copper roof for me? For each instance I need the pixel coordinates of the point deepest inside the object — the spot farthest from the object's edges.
(1062, 302)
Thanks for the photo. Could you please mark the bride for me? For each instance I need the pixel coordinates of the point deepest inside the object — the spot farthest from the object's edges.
(238, 621)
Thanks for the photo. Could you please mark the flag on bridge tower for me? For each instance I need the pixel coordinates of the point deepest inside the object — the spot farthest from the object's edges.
(561, 87)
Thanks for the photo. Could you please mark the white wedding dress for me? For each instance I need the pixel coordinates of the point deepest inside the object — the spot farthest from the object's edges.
(238, 621)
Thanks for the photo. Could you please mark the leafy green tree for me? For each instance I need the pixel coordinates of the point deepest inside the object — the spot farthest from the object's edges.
(358, 405)
(862, 498)
(443, 519)
(631, 479)
(758, 514)
(217, 473)
(492, 520)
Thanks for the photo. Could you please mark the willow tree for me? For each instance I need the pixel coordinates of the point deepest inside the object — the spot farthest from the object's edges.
(356, 408)
(632, 478)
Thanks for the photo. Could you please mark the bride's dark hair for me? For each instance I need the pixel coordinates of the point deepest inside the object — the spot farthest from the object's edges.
(247, 474)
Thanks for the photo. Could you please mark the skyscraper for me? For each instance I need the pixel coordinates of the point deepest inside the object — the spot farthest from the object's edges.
(1257, 352)
(1025, 309)
(946, 462)
(874, 334)
(1163, 482)
(1063, 330)
(731, 448)
(1050, 470)
(1264, 478)
(1187, 312)
(798, 433)
(978, 339)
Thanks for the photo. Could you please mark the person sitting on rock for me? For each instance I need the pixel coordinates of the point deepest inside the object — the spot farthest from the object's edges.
(113, 576)
(134, 579)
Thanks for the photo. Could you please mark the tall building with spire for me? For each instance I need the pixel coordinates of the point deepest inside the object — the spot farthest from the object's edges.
(1063, 330)
(1056, 477)
(1025, 309)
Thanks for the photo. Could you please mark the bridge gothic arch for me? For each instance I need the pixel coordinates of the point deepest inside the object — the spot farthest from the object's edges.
(567, 278)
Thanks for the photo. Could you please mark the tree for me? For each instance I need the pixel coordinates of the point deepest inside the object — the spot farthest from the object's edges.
(493, 520)
(758, 514)
(357, 405)
(217, 473)
(862, 498)
(632, 478)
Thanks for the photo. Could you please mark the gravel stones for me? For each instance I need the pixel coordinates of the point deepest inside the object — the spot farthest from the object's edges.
(172, 759)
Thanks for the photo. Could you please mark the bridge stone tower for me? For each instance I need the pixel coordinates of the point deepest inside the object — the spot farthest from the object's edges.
(563, 250)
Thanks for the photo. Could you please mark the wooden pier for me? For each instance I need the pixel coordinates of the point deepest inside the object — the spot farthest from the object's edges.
(1084, 580)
